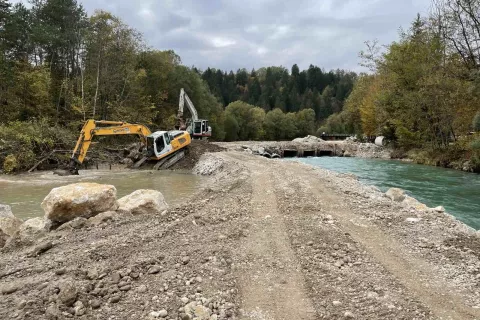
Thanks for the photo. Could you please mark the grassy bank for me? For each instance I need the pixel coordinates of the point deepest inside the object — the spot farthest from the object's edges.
(463, 155)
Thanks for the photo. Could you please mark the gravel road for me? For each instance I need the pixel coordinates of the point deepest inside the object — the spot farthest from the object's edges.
(264, 239)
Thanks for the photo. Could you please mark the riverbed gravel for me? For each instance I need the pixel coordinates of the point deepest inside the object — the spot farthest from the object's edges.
(262, 239)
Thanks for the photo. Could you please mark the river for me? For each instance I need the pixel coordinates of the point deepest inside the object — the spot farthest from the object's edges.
(25, 192)
(457, 191)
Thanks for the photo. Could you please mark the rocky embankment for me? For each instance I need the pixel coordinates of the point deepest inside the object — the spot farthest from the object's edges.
(309, 146)
(264, 239)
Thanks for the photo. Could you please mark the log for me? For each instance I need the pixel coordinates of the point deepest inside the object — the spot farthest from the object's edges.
(45, 158)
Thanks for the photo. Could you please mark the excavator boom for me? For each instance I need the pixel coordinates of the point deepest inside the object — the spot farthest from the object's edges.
(94, 128)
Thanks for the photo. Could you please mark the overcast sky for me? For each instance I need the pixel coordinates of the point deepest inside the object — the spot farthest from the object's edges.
(231, 34)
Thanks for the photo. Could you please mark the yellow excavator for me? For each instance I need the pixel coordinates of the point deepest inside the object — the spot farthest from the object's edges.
(166, 147)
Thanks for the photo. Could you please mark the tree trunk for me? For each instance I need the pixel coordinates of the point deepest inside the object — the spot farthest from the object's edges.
(96, 89)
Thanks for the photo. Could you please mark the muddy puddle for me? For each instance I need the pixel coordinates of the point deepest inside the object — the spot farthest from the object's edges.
(24, 193)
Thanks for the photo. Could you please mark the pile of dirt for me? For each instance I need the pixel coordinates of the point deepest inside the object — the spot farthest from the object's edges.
(308, 139)
(193, 153)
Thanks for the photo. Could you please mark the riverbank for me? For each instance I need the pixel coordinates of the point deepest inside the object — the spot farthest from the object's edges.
(263, 239)
(309, 146)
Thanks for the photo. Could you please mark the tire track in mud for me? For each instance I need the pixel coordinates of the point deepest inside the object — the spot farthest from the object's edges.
(412, 273)
(270, 280)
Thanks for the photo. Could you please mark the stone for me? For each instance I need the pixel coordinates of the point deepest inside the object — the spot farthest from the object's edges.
(34, 228)
(413, 203)
(396, 194)
(77, 223)
(184, 300)
(52, 312)
(6, 211)
(60, 272)
(154, 314)
(439, 209)
(103, 217)
(68, 293)
(197, 312)
(9, 288)
(115, 298)
(348, 315)
(79, 308)
(85, 200)
(163, 313)
(143, 202)
(154, 270)
(10, 225)
(41, 248)
(95, 304)
(336, 303)
(3, 238)
(413, 220)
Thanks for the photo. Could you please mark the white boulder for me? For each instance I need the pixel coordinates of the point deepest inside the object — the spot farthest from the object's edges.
(439, 209)
(143, 202)
(396, 194)
(79, 200)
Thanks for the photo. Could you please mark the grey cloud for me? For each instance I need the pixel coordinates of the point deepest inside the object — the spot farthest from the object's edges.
(255, 33)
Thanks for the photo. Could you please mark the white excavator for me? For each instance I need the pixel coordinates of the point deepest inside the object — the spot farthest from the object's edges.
(198, 128)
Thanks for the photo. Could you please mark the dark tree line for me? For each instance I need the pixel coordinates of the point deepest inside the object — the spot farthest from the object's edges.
(276, 87)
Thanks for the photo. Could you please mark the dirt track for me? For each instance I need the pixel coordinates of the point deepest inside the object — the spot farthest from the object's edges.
(264, 240)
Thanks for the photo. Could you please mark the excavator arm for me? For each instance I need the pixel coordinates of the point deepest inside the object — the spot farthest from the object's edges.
(94, 128)
(181, 124)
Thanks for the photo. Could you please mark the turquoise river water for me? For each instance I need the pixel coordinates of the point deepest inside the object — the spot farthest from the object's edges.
(457, 191)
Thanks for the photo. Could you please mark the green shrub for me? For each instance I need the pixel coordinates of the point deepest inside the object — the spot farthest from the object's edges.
(26, 142)
(475, 146)
(10, 163)
(476, 122)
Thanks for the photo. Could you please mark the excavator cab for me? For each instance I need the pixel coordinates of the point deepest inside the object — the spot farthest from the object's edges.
(201, 129)
(158, 144)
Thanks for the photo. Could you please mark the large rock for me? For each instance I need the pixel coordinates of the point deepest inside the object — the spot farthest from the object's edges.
(143, 202)
(34, 228)
(5, 211)
(197, 311)
(79, 200)
(396, 194)
(10, 225)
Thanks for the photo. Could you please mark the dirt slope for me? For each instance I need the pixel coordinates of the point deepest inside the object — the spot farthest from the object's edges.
(265, 239)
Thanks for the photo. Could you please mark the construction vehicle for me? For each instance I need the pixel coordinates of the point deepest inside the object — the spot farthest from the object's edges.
(198, 128)
(162, 146)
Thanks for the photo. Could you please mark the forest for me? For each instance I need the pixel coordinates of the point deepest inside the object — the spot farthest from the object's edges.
(59, 66)
(423, 91)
